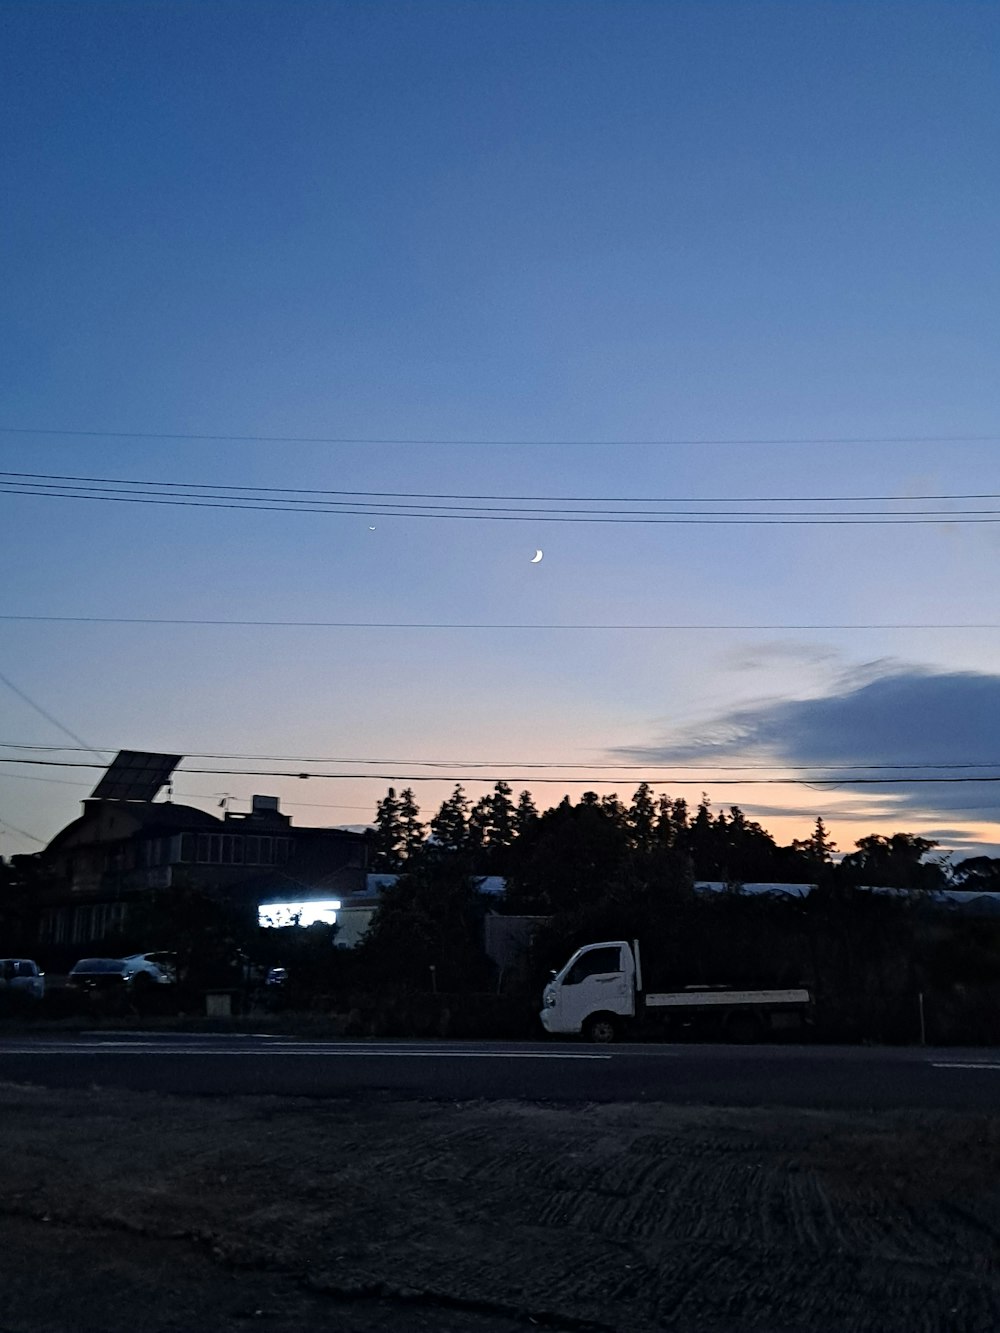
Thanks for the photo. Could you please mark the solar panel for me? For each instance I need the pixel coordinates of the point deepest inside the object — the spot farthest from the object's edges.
(135, 775)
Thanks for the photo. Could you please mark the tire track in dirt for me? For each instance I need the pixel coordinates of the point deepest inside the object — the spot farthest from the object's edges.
(631, 1218)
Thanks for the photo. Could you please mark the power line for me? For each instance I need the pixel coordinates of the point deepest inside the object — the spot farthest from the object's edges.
(12, 828)
(392, 509)
(452, 764)
(554, 499)
(653, 781)
(355, 439)
(492, 516)
(489, 625)
(49, 718)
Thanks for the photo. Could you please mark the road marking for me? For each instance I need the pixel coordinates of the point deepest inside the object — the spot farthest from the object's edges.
(964, 1064)
(150, 1048)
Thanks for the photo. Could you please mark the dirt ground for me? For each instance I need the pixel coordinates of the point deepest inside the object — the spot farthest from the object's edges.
(135, 1211)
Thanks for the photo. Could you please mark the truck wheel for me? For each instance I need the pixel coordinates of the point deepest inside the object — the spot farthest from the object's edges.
(601, 1028)
(744, 1028)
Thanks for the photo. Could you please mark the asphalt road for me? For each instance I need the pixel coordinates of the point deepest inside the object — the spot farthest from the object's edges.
(795, 1076)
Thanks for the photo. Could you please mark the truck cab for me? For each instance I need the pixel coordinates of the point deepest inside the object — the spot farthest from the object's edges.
(594, 993)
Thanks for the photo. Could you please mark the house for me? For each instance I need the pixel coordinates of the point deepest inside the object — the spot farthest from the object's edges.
(121, 850)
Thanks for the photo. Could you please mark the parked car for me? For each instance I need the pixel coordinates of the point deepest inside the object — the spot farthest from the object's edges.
(123, 975)
(160, 966)
(22, 977)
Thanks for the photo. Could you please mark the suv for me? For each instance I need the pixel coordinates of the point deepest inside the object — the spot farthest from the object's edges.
(20, 976)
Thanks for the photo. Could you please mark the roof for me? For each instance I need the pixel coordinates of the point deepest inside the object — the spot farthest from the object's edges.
(492, 885)
(156, 816)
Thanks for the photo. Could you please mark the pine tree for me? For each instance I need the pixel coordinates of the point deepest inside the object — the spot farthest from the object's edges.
(817, 849)
(503, 817)
(820, 844)
(412, 828)
(665, 830)
(450, 824)
(525, 814)
(479, 826)
(387, 840)
(641, 819)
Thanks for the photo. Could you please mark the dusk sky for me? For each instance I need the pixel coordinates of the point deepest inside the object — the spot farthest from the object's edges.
(688, 252)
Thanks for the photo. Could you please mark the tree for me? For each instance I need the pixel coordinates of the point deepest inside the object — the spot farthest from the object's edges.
(503, 820)
(388, 838)
(569, 855)
(430, 917)
(450, 826)
(478, 827)
(893, 862)
(816, 851)
(525, 814)
(413, 830)
(210, 935)
(642, 819)
(980, 874)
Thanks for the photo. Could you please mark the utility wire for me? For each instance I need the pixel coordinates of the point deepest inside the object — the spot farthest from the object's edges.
(553, 499)
(488, 625)
(720, 519)
(515, 763)
(49, 718)
(393, 509)
(653, 781)
(354, 439)
(12, 828)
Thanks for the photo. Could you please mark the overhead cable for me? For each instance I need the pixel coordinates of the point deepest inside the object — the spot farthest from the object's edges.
(493, 625)
(514, 763)
(652, 781)
(536, 443)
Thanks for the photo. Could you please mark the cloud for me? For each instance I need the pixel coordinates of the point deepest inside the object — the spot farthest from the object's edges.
(778, 652)
(883, 713)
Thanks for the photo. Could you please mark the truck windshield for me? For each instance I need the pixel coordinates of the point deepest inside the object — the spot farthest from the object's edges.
(594, 963)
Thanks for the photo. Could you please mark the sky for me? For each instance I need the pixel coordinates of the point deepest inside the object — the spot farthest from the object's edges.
(629, 252)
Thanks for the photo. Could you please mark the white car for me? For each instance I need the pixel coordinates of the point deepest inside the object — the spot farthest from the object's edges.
(159, 967)
(21, 976)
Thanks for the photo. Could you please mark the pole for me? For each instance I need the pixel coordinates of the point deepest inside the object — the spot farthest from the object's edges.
(923, 1028)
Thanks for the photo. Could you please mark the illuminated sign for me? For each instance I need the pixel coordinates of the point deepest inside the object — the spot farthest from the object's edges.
(299, 913)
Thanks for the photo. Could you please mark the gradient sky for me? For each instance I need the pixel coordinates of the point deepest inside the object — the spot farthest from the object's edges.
(556, 223)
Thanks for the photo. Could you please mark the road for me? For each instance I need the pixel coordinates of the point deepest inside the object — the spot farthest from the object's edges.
(792, 1076)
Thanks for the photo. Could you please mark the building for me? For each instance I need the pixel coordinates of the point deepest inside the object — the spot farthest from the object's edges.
(121, 850)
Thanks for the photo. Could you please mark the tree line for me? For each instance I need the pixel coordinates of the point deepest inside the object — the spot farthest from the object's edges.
(554, 857)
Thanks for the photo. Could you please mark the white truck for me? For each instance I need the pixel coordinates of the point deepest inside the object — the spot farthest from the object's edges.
(600, 994)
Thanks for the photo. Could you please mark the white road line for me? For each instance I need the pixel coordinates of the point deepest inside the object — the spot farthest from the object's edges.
(964, 1064)
(144, 1048)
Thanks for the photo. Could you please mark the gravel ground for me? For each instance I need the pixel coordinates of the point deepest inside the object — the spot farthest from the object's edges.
(142, 1212)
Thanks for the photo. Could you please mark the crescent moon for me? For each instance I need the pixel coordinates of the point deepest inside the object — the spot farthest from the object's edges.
(536, 557)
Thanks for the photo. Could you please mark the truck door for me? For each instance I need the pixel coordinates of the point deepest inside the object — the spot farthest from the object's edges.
(599, 979)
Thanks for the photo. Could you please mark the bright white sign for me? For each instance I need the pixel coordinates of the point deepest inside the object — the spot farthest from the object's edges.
(298, 914)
